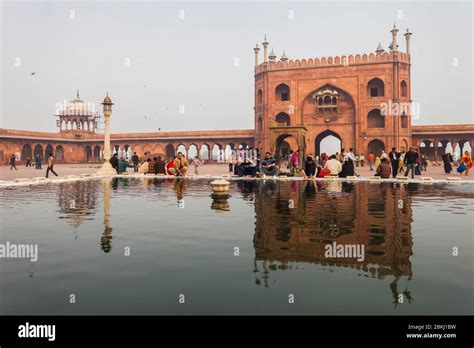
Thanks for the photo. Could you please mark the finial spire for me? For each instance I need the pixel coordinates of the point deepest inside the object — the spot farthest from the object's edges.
(379, 49)
(256, 49)
(394, 45)
(265, 45)
(78, 93)
(407, 39)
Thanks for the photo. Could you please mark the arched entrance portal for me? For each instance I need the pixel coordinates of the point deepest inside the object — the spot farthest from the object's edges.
(284, 144)
(376, 146)
(328, 142)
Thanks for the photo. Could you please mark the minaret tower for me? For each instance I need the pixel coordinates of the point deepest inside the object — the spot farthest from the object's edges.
(256, 50)
(394, 45)
(265, 44)
(407, 38)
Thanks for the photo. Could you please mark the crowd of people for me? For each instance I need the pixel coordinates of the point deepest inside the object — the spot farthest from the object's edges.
(246, 162)
(178, 165)
(38, 161)
(343, 164)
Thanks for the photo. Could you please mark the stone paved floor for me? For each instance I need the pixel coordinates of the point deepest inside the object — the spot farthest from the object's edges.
(75, 169)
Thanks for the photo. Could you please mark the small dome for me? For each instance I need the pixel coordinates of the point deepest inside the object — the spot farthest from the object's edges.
(379, 49)
(272, 56)
(107, 100)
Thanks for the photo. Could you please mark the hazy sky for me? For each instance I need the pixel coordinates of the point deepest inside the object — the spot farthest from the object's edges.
(190, 61)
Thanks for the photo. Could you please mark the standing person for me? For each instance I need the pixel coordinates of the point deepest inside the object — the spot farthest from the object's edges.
(230, 159)
(362, 159)
(466, 159)
(114, 162)
(418, 163)
(37, 162)
(13, 162)
(401, 162)
(377, 161)
(135, 161)
(340, 157)
(196, 163)
(28, 162)
(350, 155)
(424, 162)
(411, 158)
(294, 160)
(371, 160)
(394, 156)
(50, 165)
(180, 165)
(447, 159)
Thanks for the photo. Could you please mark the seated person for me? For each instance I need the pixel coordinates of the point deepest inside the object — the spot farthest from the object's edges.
(151, 168)
(384, 170)
(309, 168)
(347, 168)
(160, 166)
(170, 168)
(114, 161)
(122, 166)
(180, 165)
(143, 169)
(269, 165)
(333, 165)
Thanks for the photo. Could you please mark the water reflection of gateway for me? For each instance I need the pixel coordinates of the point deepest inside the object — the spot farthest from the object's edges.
(376, 215)
(78, 201)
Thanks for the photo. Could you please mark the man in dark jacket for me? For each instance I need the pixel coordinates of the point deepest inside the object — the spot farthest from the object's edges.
(410, 159)
(135, 161)
(13, 162)
(394, 157)
(114, 162)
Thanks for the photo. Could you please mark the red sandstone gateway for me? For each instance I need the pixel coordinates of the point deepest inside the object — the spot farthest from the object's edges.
(298, 103)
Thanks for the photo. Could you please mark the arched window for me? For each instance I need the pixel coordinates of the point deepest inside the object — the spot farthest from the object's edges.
(404, 89)
(282, 92)
(259, 96)
(375, 119)
(26, 152)
(259, 124)
(404, 121)
(59, 153)
(326, 99)
(376, 88)
(282, 119)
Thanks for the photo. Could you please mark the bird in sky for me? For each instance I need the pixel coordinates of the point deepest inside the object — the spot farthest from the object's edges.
(33, 73)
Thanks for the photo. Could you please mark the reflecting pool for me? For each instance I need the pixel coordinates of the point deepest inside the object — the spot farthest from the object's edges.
(165, 246)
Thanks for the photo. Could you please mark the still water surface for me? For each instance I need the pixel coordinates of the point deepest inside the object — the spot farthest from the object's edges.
(182, 241)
